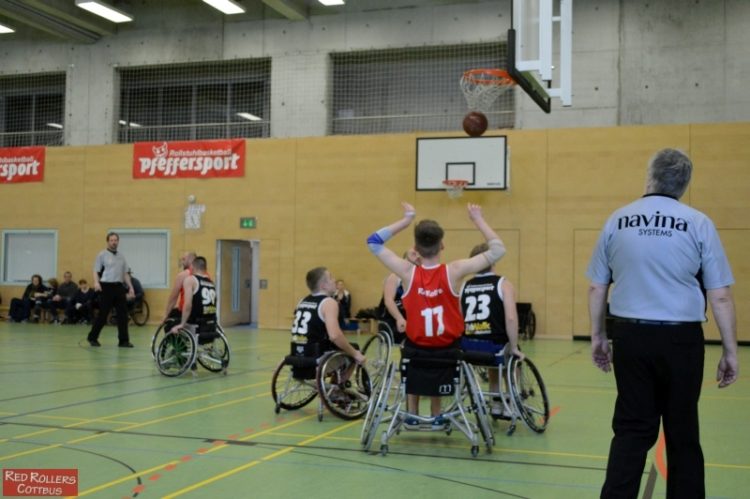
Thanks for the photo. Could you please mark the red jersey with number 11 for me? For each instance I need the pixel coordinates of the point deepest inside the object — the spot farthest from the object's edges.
(433, 313)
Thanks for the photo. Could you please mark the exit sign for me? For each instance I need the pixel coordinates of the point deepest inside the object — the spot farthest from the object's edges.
(247, 223)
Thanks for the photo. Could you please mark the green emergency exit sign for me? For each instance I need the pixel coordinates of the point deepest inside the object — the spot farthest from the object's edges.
(247, 223)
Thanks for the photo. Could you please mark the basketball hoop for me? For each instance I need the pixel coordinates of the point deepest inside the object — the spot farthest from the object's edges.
(455, 188)
(482, 87)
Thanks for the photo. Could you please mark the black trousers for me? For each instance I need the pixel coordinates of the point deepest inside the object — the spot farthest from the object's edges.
(113, 294)
(659, 372)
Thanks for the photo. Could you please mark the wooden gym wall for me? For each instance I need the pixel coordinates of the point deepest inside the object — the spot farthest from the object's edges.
(317, 199)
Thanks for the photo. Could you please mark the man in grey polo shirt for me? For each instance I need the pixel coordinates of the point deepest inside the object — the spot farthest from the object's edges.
(662, 259)
(110, 272)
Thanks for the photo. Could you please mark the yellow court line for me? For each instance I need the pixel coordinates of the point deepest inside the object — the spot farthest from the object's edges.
(128, 413)
(127, 428)
(125, 478)
(245, 466)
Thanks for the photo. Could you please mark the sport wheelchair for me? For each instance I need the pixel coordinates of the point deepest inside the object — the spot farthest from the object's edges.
(524, 396)
(205, 344)
(453, 379)
(312, 369)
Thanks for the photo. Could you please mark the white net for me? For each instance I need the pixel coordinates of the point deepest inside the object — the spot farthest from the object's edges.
(482, 87)
(454, 188)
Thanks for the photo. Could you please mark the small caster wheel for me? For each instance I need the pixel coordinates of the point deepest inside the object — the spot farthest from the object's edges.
(474, 450)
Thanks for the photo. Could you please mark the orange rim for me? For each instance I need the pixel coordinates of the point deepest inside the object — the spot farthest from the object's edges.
(455, 183)
(501, 77)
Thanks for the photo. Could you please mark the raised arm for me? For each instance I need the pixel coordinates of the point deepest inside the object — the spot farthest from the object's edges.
(722, 305)
(376, 244)
(461, 268)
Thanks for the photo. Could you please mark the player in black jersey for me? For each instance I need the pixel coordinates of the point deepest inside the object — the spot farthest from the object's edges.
(200, 298)
(316, 318)
(488, 302)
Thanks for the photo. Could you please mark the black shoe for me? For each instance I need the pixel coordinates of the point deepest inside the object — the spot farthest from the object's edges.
(127, 344)
(93, 343)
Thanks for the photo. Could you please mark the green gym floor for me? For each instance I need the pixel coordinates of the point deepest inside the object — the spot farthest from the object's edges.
(132, 432)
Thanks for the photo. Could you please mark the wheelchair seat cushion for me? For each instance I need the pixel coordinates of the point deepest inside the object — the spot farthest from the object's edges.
(430, 372)
(482, 352)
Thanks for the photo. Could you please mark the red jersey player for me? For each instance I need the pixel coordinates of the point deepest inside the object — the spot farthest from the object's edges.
(431, 289)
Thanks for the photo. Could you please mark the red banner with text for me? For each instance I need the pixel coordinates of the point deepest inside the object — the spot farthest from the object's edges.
(189, 159)
(21, 164)
(40, 482)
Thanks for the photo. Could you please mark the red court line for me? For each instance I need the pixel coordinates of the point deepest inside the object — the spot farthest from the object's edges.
(661, 463)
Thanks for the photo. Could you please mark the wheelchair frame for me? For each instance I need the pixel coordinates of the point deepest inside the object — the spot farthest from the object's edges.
(526, 395)
(386, 406)
(178, 352)
(344, 386)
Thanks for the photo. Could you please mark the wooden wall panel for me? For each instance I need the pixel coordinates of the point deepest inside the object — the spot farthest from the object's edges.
(317, 199)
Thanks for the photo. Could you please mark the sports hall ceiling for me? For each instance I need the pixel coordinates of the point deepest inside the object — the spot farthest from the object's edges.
(62, 20)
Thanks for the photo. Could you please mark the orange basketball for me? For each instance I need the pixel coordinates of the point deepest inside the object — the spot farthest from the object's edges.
(475, 123)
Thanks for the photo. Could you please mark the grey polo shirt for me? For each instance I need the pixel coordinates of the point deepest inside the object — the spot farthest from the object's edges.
(659, 254)
(111, 267)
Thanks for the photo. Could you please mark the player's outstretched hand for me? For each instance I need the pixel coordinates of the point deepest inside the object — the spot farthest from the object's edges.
(409, 210)
(475, 211)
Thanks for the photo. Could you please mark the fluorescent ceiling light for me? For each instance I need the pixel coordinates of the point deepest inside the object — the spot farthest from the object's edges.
(249, 116)
(226, 6)
(131, 124)
(55, 125)
(6, 29)
(328, 3)
(106, 11)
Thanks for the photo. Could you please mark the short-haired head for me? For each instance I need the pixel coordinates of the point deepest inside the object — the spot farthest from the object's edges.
(669, 173)
(428, 238)
(81, 282)
(110, 234)
(314, 278)
(478, 250)
(199, 264)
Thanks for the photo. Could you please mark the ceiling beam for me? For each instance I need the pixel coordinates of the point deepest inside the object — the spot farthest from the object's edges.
(290, 9)
(51, 19)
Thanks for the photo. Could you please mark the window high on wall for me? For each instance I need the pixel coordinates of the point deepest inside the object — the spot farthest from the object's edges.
(411, 89)
(210, 100)
(32, 110)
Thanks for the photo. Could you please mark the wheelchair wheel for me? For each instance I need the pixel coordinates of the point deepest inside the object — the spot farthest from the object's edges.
(157, 337)
(529, 393)
(140, 313)
(530, 328)
(214, 355)
(478, 406)
(377, 407)
(176, 353)
(343, 385)
(288, 392)
(377, 349)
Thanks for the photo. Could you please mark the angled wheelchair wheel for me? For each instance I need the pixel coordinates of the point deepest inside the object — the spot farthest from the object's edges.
(530, 329)
(478, 405)
(377, 349)
(290, 392)
(176, 353)
(157, 337)
(140, 313)
(377, 407)
(214, 355)
(529, 393)
(343, 385)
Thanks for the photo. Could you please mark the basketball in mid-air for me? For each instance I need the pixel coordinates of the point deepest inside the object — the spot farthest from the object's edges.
(475, 123)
